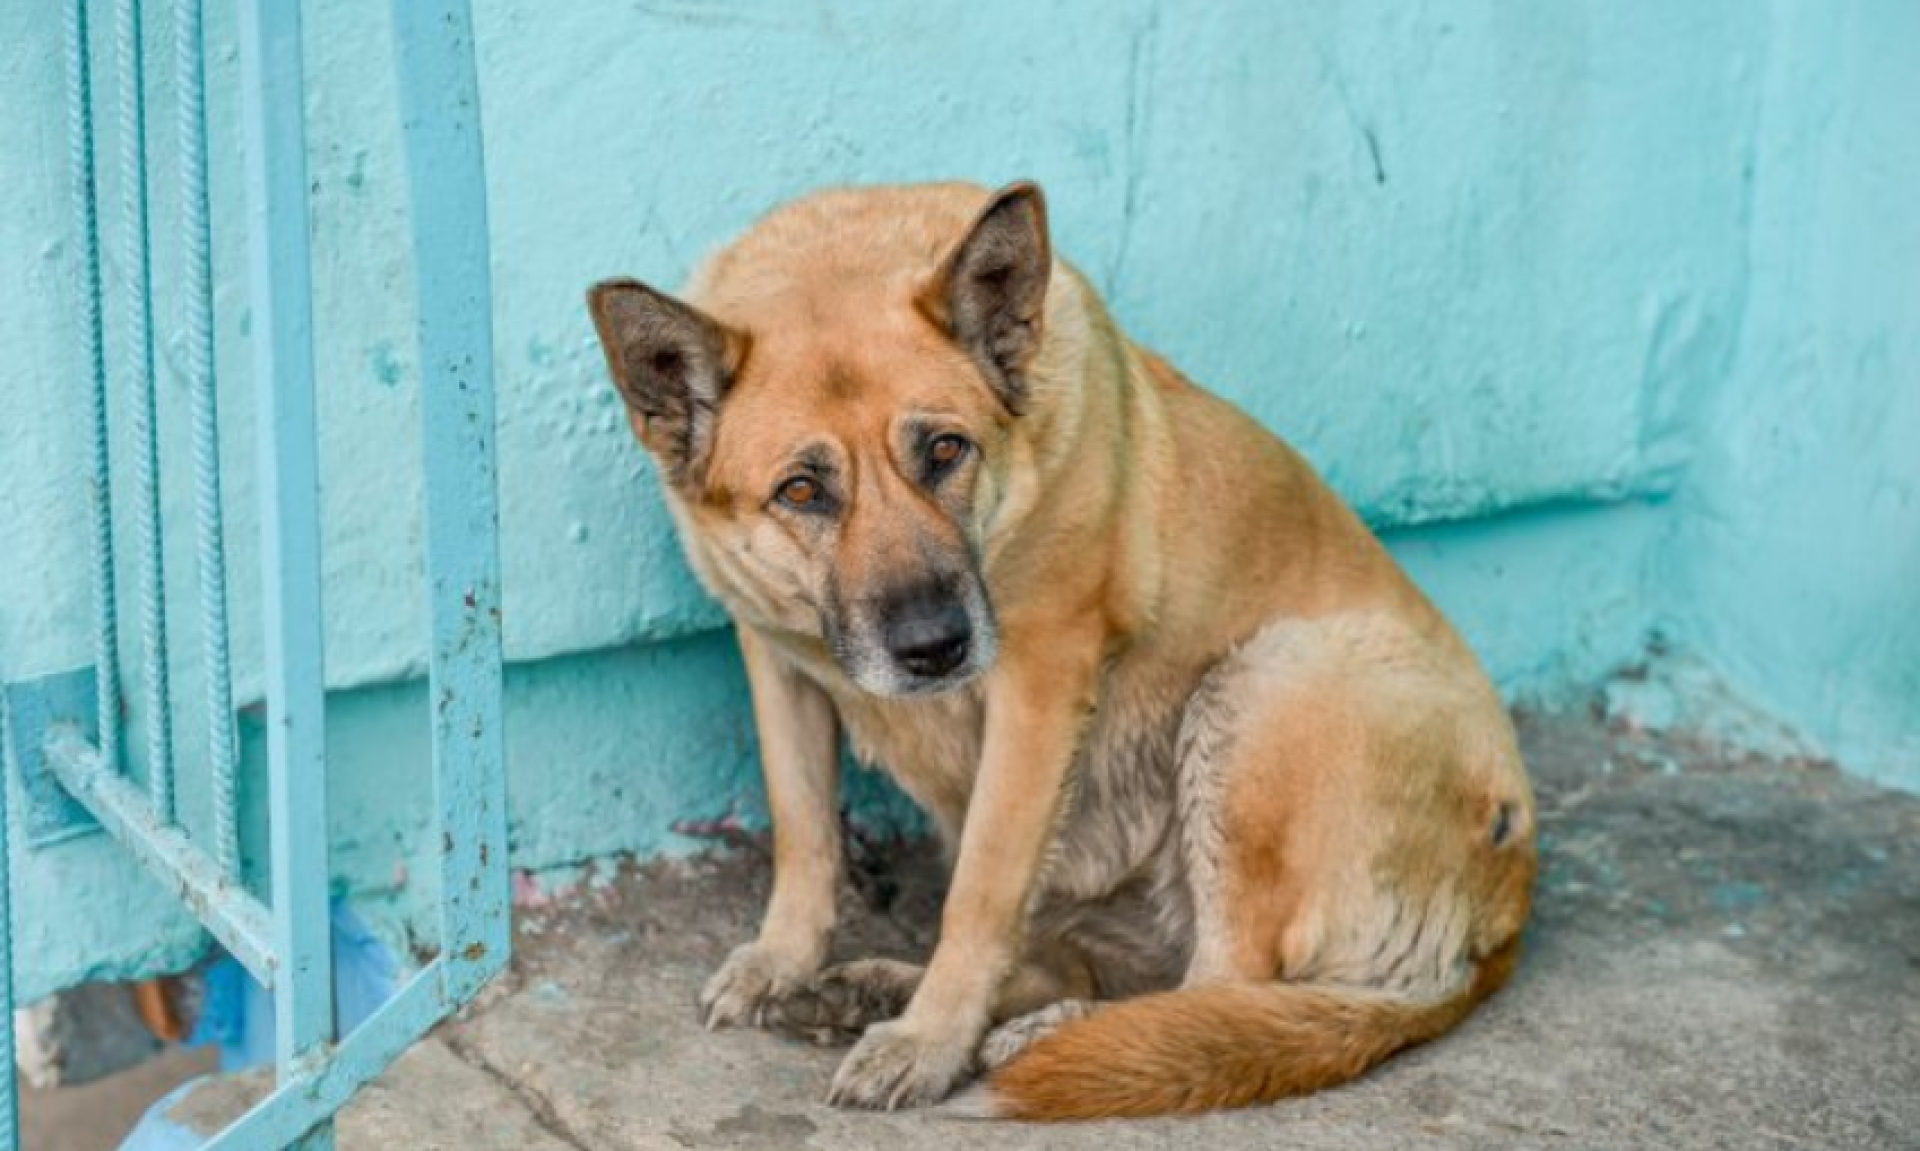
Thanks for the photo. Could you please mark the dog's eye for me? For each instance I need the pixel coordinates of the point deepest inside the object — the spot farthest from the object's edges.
(945, 451)
(799, 492)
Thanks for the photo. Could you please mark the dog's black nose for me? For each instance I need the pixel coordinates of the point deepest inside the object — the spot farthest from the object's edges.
(928, 636)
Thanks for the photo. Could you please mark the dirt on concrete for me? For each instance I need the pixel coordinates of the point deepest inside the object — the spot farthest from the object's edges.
(1725, 954)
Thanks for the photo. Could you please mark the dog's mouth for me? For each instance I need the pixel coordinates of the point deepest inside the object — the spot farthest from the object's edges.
(930, 639)
(905, 684)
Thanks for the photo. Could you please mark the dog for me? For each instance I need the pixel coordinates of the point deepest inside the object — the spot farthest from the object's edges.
(1233, 813)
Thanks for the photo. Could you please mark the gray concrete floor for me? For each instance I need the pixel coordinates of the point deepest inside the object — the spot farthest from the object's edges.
(97, 1116)
(1725, 954)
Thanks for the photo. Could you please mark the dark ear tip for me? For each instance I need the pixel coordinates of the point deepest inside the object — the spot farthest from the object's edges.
(614, 286)
(1028, 191)
(619, 296)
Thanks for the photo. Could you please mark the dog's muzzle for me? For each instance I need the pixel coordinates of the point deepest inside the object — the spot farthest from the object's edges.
(927, 633)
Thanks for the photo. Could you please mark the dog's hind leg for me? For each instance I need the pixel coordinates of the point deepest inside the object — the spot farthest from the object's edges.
(1349, 801)
(1358, 837)
(1207, 732)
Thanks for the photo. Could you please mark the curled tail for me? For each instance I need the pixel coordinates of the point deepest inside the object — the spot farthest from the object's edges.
(1225, 1045)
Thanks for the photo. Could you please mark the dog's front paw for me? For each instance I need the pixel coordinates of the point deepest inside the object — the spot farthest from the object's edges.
(751, 978)
(895, 1065)
(839, 1004)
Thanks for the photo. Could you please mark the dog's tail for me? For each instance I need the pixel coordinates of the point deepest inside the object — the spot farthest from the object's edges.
(1225, 1045)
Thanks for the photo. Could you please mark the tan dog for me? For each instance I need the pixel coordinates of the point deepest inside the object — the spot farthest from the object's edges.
(1194, 740)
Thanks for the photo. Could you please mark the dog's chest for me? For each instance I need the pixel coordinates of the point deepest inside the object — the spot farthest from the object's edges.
(929, 746)
(1123, 782)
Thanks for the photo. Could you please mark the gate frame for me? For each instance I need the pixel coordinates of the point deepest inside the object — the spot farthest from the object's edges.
(65, 728)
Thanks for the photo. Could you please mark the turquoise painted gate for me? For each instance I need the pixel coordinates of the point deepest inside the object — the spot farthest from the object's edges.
(66, 730)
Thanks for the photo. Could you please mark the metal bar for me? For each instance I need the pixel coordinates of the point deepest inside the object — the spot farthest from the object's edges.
(136, 261)
(446, 176)
(281, 273)
(197, 287)
(86, 229)
(239, 921)
(9, 1107)
(296, 1105)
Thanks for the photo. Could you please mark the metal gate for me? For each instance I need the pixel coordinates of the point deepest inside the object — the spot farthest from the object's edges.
(66, 730)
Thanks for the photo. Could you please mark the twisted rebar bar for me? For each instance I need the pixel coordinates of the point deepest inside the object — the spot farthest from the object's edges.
(136, 268)
(86, 229)
(197, 286)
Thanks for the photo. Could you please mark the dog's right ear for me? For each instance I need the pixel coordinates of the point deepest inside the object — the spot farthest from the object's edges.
(672, 364)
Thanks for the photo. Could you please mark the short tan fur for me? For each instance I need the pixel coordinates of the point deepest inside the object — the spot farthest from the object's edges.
(1234, 814)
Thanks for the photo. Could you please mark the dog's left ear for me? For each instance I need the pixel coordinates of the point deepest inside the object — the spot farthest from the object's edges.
(990, 293)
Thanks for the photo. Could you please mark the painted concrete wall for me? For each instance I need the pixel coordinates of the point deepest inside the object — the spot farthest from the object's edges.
(1497, 269)
(1795, 555)
(1466, 260)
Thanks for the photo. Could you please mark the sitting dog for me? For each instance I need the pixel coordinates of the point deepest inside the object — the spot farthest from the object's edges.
(1233, 812)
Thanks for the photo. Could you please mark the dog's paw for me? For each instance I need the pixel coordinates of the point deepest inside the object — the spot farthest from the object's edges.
(1016, 1035)
(896, 1066)
(836, 1006)
(750, 979)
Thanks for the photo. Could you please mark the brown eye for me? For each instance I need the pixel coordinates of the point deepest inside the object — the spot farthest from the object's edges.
(799, 492)
(945, 451)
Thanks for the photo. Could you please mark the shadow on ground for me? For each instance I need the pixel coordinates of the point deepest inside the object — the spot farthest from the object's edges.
(1725, 954)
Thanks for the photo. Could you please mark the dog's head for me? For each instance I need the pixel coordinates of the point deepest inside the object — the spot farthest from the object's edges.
(834, 421)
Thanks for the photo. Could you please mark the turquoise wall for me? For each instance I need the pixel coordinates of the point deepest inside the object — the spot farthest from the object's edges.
(1794, 560)
(1533, 284)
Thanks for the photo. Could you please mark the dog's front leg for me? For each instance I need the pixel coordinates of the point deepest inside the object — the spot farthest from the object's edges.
(799, 758)
(1037, 701)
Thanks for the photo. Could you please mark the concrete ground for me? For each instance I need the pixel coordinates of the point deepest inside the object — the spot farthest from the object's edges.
(1725, 954)
(97, 1116)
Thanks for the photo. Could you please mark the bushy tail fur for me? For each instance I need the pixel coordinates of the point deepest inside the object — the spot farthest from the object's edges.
(1225, 1045)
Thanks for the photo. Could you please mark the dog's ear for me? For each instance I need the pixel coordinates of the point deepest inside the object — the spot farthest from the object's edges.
(990, 292)
(672, 364)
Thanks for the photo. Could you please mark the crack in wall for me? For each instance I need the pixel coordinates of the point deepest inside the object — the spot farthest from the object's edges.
(1139, 98)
